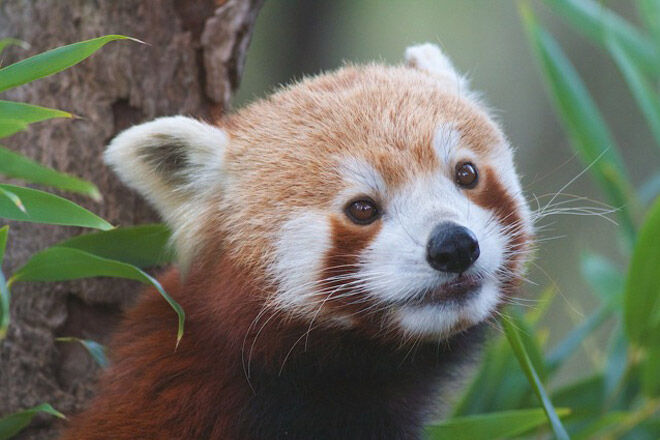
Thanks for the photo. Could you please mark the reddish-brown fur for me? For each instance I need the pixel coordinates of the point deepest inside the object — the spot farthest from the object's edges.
(341, 261)
(197, 391)
(151, 390)
(203, 390)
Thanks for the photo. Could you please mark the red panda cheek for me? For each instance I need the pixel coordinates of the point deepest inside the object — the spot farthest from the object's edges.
(341, 260)
(492, 195)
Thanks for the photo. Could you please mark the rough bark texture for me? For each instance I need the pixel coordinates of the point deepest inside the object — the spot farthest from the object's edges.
(191, 65)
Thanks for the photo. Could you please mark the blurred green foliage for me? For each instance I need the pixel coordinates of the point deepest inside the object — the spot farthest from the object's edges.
(113, 252)
(16, 422)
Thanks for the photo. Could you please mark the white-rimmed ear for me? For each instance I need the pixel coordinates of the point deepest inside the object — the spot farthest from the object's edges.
(429, 57)
(174, 162)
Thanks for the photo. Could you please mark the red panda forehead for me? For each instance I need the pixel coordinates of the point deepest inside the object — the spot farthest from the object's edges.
(387, 116)
(286, 152)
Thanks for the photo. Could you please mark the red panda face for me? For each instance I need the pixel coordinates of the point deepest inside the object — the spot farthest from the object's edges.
(427, 248)
(379, 198)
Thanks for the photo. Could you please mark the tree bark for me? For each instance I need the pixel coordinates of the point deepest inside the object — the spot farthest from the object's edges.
(191, 65)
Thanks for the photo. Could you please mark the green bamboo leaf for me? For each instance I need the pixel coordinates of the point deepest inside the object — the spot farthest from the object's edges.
(43, 207)
(642, 291)
(589, 135)
(530, 343)
(528, 368)
(647, 430)
(4, 291)
(96, 350)
(5, 42)
(635, 423)
(650, 14)
(585, 397)
(60, 263)
(13, 198)
(141, 246)
(16, 422)
(478, 395)
(642, 91)
(603, 424)
(651, 372)
(52, 61)
(11, 126)
(29, 113)
(16, 166)
(505, 424)
(498, 384)
(596, 22)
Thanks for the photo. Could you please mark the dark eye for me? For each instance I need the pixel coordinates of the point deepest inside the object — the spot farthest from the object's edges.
(466, 175)
(362, 212)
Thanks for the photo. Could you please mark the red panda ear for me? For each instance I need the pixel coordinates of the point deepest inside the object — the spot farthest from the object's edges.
(174, 162)
(429, 58)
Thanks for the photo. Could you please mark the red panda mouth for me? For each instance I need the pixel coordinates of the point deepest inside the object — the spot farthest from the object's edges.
(459, 290)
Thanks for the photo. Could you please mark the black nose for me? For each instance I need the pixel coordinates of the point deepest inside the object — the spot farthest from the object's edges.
(452, 248)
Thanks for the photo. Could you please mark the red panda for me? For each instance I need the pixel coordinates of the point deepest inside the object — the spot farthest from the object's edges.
(341, 244)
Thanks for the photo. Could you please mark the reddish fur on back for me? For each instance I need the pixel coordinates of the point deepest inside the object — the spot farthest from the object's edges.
(175, 394)
(202, 389)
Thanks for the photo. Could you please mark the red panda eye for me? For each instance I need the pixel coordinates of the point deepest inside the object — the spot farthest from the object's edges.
(362, 212)
(466, 175)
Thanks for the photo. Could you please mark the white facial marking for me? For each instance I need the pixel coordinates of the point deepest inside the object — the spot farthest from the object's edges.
(440, 320)
(302, 243)
(361, 177)
(444, 143)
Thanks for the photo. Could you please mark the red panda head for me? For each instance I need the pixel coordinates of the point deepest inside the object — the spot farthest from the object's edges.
(374, 196)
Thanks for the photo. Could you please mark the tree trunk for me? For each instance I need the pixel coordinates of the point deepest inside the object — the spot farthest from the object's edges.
(191, 65)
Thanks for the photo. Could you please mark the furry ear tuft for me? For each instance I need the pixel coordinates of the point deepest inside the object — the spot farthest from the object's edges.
(429, 58)
(172, 154)
(174, 162)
